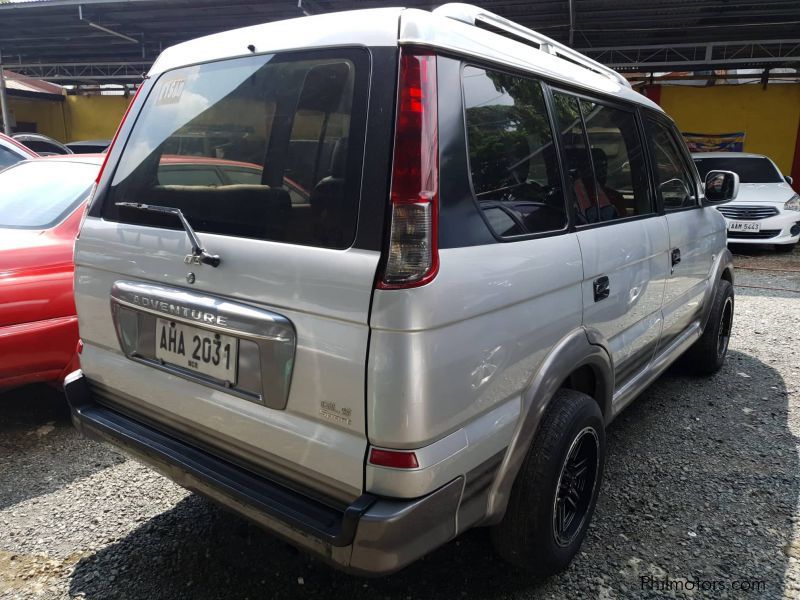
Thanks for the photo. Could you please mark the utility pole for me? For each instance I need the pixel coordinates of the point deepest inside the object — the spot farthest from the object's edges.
(4, 110)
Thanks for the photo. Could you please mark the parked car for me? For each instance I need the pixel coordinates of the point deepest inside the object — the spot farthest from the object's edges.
(41, 206)
(41, 144)
(436, 338)
(767, 209)
(88, 146)
(40, 211)
(12, 152)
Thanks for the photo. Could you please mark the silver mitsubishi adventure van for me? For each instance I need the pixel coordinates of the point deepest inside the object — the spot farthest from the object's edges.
(373, 278)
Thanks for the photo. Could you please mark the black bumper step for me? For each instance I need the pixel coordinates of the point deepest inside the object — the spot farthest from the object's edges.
(331, 525)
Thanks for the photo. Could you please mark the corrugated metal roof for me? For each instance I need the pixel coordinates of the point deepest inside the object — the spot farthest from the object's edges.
(49, 31)
(23, 83)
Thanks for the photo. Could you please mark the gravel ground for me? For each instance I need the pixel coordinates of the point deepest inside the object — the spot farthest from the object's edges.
(701, 488)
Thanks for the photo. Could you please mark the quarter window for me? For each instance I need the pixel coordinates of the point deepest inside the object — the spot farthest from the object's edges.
(513, 161)
(618, 159)
(674, 183)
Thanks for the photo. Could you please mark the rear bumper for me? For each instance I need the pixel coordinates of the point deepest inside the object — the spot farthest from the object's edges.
(371, 536)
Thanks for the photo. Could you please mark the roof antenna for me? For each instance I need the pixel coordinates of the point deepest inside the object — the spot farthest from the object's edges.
(300, 6)
(251, 47)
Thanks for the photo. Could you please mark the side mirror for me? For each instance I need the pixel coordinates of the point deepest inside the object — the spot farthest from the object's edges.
(721, 186)
(788, 179)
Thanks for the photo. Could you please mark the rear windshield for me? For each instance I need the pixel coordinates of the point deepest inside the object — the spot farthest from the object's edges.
(8, 158)
(750, 170)
(40, 194)
(43, 147)
(264, 147)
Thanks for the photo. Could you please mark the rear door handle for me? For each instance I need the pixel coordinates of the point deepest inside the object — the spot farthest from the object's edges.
(676, 258)
(601, 288)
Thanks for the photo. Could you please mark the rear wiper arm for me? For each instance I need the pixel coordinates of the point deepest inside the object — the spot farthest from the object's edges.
(197, 247)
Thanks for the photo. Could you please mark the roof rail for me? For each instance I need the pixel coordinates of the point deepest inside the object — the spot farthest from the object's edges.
(474, 15)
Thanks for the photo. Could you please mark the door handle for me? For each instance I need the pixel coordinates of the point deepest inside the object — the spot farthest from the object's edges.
(601, 288)
(676, 258)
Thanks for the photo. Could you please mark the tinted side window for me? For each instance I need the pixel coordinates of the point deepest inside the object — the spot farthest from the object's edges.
(582, 188)
(674, 183)
(512, 158)
(618, 159)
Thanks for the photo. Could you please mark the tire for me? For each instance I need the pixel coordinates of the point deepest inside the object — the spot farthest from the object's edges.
(784, 248)
(530, 535)
(707, 355)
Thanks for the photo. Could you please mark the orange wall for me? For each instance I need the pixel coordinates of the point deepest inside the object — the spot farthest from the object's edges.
(94, 117)
(77, 118)
(769, 117)
(48, 115)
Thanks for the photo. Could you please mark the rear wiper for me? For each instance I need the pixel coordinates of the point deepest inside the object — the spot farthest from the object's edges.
(197, 247)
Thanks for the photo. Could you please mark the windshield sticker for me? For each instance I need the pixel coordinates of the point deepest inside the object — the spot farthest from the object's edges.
(171, 92)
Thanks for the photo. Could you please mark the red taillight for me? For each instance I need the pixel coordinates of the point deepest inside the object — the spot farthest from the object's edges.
(395, 459)
(114, 139)
(413, 257)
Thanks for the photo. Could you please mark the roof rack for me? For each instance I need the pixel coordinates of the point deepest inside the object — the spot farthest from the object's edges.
(474, 15)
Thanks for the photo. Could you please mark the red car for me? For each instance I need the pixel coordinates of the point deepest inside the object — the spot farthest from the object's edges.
(41, 206)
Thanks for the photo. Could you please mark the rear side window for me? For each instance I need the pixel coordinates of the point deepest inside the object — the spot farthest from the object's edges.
(264, 147)
(618, 158)
(674, 183)
(580, 175)
(605, 160)
(512, 159)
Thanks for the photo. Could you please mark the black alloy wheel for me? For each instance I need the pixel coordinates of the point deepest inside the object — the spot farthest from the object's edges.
(575, 488)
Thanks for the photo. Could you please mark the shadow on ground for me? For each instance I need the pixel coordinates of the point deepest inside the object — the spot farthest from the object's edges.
(701, 483)
(40, 451)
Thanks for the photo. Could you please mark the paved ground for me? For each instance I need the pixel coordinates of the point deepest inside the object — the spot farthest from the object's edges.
(702, 489)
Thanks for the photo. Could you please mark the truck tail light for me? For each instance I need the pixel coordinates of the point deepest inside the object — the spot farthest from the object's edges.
(412, 258)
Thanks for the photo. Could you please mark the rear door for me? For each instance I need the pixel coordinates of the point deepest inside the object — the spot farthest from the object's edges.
(261, 358)
(623, 240)
(694, 232)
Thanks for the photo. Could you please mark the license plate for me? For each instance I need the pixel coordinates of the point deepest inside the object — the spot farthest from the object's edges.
(744, 226)
(199, 350)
